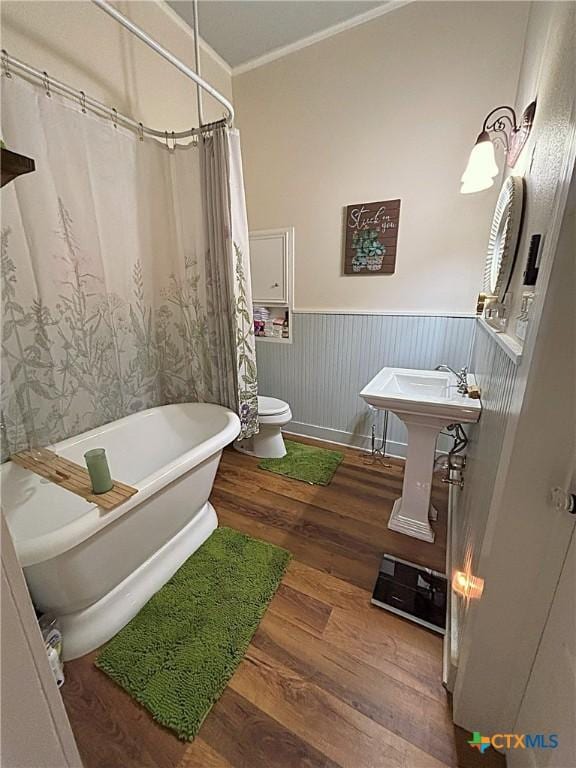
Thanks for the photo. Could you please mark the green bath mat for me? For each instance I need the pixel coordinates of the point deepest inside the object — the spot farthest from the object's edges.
(176, 656)
(304, 462)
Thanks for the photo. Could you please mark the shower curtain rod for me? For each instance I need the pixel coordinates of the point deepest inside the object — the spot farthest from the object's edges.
(50, 83)
(10, 62)
(200, 82)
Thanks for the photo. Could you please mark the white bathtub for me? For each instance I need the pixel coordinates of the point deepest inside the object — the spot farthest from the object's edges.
(95, 569)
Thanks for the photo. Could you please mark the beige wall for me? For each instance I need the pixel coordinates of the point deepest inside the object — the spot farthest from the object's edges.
(76, 42)
(388, 109)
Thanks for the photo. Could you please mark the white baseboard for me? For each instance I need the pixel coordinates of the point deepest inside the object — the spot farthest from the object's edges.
(353, 439)
(340, 437)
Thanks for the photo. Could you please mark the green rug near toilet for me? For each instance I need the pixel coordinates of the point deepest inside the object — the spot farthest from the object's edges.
(306, 463)
(176, 656)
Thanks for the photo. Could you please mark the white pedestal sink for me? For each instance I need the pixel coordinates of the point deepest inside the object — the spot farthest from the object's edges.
(426, 401)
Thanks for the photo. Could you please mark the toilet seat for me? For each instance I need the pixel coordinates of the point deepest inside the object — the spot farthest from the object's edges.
(271, 406)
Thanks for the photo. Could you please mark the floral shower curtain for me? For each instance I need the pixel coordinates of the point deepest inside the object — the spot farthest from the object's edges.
(125, 273)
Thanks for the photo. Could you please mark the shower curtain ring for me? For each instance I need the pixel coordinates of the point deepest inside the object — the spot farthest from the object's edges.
(140, 131)
(6, 63)
(83, 101)
(46, 81)
(114, 117)
(173, 142)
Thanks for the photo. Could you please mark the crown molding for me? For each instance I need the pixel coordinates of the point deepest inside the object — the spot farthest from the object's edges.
(285, 50)
(317, 37)
(187, 29)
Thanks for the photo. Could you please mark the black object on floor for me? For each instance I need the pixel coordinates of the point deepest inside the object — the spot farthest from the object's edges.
(417, 593)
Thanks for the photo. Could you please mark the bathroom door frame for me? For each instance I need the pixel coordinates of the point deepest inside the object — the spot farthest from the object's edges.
(43, 737)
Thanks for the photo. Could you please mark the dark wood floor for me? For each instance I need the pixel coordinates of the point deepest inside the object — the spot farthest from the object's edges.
(328, 680)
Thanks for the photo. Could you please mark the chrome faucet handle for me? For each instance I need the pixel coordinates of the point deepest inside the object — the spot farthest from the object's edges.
(463, 380)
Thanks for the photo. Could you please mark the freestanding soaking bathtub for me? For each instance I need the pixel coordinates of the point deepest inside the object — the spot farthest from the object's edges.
(95, 569)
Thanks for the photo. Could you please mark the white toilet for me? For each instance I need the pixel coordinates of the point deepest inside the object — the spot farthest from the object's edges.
(273, 414)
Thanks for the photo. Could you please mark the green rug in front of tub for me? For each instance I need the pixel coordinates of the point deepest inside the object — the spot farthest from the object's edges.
(177, 655)
(306, 463)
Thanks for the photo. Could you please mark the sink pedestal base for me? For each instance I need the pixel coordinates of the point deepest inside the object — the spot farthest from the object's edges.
(412, 512)
(409, 526)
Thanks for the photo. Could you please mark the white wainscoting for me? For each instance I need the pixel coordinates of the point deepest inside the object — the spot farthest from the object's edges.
(495, 373)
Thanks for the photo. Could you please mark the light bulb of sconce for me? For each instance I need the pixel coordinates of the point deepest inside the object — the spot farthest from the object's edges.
(477, 185)
(466, 585)
(481, 169)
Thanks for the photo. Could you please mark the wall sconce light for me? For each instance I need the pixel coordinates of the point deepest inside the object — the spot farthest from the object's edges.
(500, 128)
(466, 585)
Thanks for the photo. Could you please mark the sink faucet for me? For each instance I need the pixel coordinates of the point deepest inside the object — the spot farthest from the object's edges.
(461, 376)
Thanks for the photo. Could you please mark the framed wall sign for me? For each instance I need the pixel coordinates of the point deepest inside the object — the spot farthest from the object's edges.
(371, 235)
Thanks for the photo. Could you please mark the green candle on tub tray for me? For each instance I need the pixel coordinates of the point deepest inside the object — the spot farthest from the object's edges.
(99, 471)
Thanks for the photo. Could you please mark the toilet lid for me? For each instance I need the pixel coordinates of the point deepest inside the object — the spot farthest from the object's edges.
(270, 406)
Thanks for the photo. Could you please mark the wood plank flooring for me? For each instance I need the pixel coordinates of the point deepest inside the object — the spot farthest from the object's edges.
(328, 680)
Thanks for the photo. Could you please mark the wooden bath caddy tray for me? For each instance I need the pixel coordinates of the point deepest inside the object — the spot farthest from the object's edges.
(67, 474)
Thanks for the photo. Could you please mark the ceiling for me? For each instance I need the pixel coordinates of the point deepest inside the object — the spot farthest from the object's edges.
(241, 31)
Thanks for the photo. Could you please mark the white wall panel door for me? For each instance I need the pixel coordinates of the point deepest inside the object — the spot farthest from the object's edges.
(270, 261)
(549, 704)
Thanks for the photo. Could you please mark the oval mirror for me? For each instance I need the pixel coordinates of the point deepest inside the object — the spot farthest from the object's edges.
(504, 236)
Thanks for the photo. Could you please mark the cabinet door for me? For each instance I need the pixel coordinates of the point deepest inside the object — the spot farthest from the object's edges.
(269, 260)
